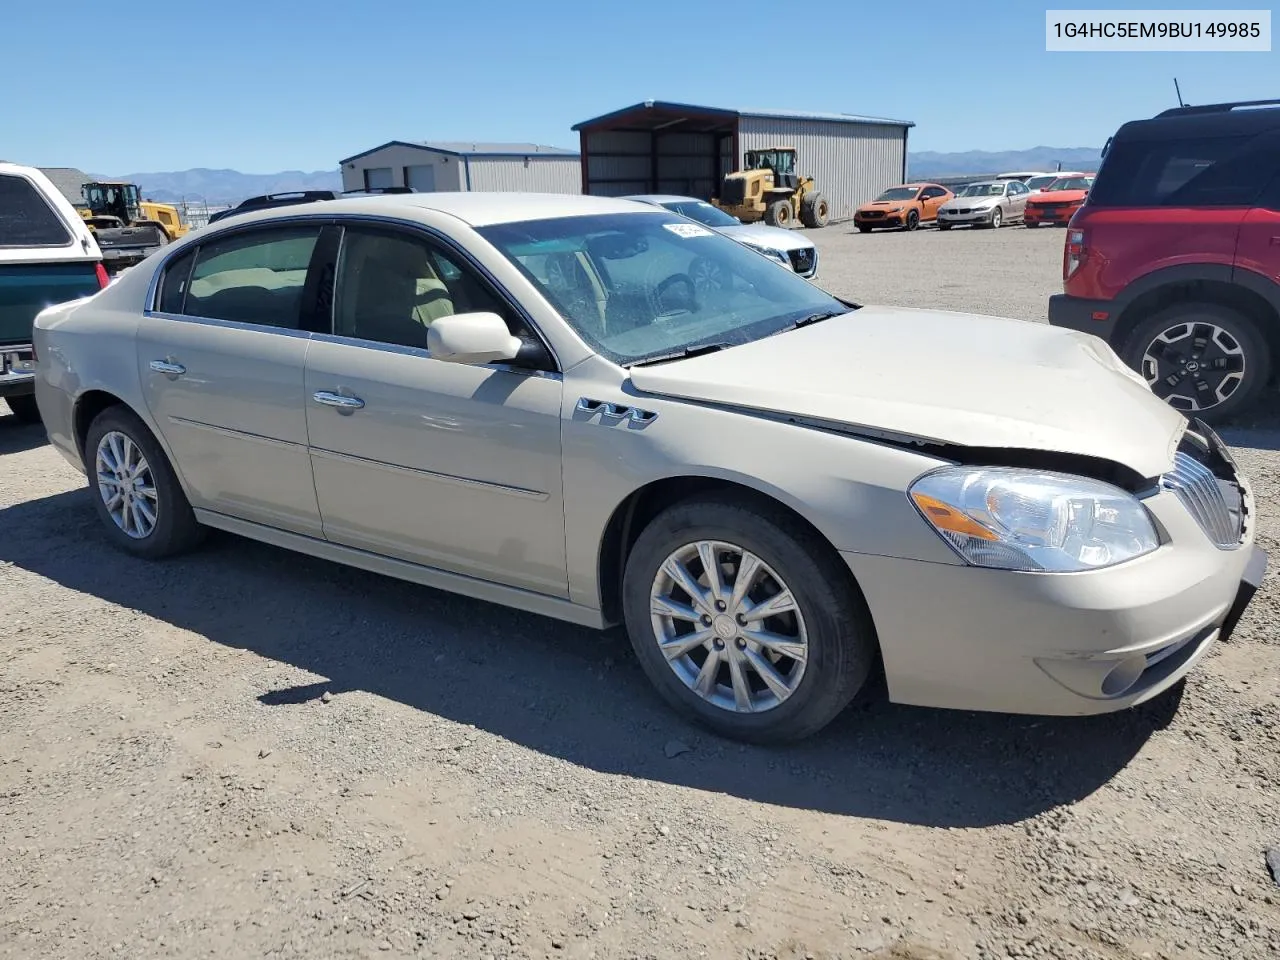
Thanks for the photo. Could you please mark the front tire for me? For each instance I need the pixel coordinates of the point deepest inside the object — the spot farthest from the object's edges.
(997, 217)
(24, 408)
(135, 491)
(746, 621)
(1204, 359)
(913, 220)
(778, 214)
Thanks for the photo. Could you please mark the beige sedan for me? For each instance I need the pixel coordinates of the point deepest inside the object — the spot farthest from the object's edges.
(603, 412)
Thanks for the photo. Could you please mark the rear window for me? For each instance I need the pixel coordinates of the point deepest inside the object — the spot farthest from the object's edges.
(26, 218)
(1194, 172)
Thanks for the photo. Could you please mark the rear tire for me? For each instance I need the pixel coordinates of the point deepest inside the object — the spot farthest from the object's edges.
(114, 440)
(24, 408)
(815, 212)
(913, 220)
(1216, 351)
(778, 214)
(829, 626)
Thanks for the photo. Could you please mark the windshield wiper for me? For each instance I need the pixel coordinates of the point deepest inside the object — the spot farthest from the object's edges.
(682, 354)
(811, 318)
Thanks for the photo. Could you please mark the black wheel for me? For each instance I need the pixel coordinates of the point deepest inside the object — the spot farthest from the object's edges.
(943, 225)
(778, 213)
(1204, 359)
(864, 229)
(815, 211)
(913, 219)
(745, 621)
(24, 408)
(135, 491)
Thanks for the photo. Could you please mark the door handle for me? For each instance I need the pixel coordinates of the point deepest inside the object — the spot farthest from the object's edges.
(168, 368)
(337, 400)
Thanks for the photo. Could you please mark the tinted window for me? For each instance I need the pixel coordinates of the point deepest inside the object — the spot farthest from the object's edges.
(1204, 172)
(253, 277)
(26, 219)
(933, 192)
(392, 286)
(173, 288)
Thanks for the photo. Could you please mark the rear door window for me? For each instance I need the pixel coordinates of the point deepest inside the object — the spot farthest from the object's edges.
(1195, 172)
(27, 219)
(255, 277)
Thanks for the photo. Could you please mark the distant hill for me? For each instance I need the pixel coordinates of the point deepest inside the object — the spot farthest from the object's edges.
(227, 186)
(928, 163)
(232, 186)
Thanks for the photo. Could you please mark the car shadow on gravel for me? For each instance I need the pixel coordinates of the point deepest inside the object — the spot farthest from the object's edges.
(569, 692)
(18, 437)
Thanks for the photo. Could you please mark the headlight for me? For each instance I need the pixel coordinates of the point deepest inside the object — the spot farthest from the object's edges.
(1030, 520)
(777, 255)
(895, 209)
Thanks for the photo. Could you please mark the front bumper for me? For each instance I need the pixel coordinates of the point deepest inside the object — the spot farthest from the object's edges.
(960, 637)
(976, 216)
(1033, 217)
(17, 370)
(888, 220)
(1097, 317)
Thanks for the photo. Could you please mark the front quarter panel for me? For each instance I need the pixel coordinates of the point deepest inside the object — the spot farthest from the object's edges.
(851, 490)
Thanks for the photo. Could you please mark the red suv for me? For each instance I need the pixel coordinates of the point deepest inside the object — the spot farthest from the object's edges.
(1174, 259)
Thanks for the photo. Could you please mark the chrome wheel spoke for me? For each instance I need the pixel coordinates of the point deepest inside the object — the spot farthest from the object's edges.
(741, 685)
(749, 568)
(784, 646)
(682, 645)
(678, 572)
(779, 603)
(666, 607)
(769, 674)
(711, 569)
(126, 485)
(706, 679)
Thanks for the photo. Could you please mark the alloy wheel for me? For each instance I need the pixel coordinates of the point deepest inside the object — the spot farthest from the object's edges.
(729, 626)
(1194, 366)
(126, 485)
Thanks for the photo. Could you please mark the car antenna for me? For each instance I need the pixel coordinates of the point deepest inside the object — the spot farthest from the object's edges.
(1178, 91)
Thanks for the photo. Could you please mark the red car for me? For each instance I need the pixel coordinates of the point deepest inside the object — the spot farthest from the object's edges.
(1174, 258)
(1057, 201)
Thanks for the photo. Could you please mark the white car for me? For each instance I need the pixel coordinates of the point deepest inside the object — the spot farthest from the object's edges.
(777, 243)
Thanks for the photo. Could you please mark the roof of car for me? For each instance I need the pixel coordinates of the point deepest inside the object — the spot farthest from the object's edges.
(478, 209)
(660, 198)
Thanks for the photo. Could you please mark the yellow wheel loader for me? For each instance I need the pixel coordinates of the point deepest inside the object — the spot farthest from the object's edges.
(127, 227)
(769, 189)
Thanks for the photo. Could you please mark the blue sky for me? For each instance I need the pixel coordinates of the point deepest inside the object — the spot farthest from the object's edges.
(276, 84)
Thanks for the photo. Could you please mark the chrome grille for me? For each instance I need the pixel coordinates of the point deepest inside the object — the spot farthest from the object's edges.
(1216, 504)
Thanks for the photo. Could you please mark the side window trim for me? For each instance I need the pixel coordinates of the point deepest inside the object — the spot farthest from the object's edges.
(449, 245)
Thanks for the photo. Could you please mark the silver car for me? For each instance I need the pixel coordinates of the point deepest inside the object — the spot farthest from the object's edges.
(520, 398)
(989, 203)
(777, 243)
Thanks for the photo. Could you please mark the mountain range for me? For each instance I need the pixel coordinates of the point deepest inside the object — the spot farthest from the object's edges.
(231, 186)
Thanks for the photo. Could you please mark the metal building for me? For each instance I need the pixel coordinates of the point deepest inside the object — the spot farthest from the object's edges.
(659, 147)
(447, 166)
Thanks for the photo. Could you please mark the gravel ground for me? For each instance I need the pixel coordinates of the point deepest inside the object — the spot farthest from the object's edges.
(245, 753)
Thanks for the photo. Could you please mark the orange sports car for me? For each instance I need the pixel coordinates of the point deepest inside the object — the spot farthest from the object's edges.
(1056, 202)
(906, 206)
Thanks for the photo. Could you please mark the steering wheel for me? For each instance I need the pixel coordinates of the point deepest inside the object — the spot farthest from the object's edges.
(689, 299)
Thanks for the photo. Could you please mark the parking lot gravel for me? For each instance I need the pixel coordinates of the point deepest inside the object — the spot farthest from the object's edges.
(246, 753)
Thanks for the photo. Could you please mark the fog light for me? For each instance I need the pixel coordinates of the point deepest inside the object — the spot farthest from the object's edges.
(1123, 676)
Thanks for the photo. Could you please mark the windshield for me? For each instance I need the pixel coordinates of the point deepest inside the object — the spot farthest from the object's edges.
(1039, 183)
(899, 193)
(638, 286)
(982, 190)
(703, 212)
(1069, 183)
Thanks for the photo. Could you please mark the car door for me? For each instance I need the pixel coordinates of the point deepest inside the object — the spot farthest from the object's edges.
(221, 359)
(1015, 203)
(933, 198)
(450, 465)
(1258, 243)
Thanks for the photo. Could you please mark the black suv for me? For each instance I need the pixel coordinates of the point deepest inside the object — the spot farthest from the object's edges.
(1174, 258)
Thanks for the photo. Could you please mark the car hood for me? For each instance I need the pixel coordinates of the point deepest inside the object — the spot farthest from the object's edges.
(970, 201)
(951, 378)
(886, 204)
(1058, 196)
(765, 236)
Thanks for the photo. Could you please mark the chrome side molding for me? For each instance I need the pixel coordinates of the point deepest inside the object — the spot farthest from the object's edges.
(614, 411)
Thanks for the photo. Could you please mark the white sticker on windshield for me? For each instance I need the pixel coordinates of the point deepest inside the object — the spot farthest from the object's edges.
(687, 230)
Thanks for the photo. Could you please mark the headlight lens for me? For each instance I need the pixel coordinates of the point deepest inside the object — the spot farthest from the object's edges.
(1029, 520)
(895, 209)
(771, 254)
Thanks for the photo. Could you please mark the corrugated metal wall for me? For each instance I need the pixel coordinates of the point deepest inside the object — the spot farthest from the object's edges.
(618, 163)
(851, 162)
(448, 170)
(687, 164)
(527, 174)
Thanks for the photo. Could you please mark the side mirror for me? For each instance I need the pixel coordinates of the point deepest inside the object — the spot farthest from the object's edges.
(471, 338)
